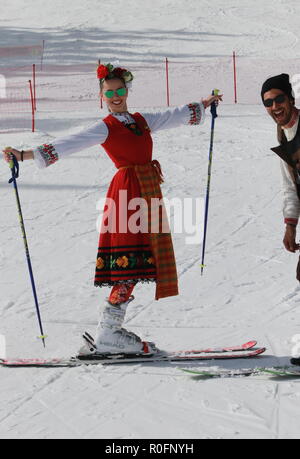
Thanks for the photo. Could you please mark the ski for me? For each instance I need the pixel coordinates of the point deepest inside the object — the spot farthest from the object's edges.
(129, 358)
(242, 347)
(283, 371)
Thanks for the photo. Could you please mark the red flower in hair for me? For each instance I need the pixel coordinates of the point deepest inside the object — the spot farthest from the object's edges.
(102, 71)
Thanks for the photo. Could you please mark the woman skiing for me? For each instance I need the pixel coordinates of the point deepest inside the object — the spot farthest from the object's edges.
(125, 256)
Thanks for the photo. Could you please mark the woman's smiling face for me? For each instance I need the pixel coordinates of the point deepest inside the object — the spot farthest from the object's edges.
(116, 103)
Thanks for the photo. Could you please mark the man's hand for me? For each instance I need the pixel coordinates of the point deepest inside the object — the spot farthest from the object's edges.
(289, 240)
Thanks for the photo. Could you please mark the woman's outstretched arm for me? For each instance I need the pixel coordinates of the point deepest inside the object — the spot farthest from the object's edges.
(48, 153)
(193, 114)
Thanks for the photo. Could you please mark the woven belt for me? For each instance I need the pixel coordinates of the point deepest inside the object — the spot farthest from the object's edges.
(154, 164)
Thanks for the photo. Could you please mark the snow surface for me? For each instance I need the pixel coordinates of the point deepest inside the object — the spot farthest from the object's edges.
(248, 290)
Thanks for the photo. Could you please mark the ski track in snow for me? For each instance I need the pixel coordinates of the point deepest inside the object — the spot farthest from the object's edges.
(248, 290)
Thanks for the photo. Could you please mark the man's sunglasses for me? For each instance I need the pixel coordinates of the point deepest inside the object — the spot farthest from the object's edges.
(278, 99)
(110, 93)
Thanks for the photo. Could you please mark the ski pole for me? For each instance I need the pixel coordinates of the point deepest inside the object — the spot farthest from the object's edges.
(14, 166)
(213, 110)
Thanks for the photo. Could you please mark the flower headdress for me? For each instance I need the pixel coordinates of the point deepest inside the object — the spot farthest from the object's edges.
(108, 72)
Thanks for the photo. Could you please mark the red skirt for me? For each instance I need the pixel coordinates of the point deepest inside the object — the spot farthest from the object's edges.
(123, 256)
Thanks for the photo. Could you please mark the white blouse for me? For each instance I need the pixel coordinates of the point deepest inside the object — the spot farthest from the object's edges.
(97, 133)
(291, 202)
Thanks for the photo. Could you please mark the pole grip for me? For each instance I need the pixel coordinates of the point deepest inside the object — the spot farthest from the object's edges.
(213, 107)
(11, 163)
(14, 167)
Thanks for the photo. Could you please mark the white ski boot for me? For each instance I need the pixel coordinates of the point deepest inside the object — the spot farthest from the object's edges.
(112, 338)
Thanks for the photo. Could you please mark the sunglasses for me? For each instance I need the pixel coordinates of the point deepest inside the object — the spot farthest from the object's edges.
(278, 99)
(110, 93)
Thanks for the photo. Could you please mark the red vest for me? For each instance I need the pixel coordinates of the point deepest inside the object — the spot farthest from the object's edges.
(124, 147)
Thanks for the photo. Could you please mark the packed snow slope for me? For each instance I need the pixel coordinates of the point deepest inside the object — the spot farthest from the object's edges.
(248, 290)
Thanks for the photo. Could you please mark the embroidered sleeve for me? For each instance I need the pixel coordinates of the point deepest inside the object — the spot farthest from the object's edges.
(291, 221)
(195, 113)
(50, 152)
(46, 154)
(191, 114)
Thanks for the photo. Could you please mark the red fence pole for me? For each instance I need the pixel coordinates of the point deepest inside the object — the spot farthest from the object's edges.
(167, 78)
(34, 92)
(234, 77)
(101, 101)
(32, 105)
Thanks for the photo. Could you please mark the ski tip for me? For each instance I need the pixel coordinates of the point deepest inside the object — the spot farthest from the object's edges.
(192, 372)
(249, 344)
(259, 351)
